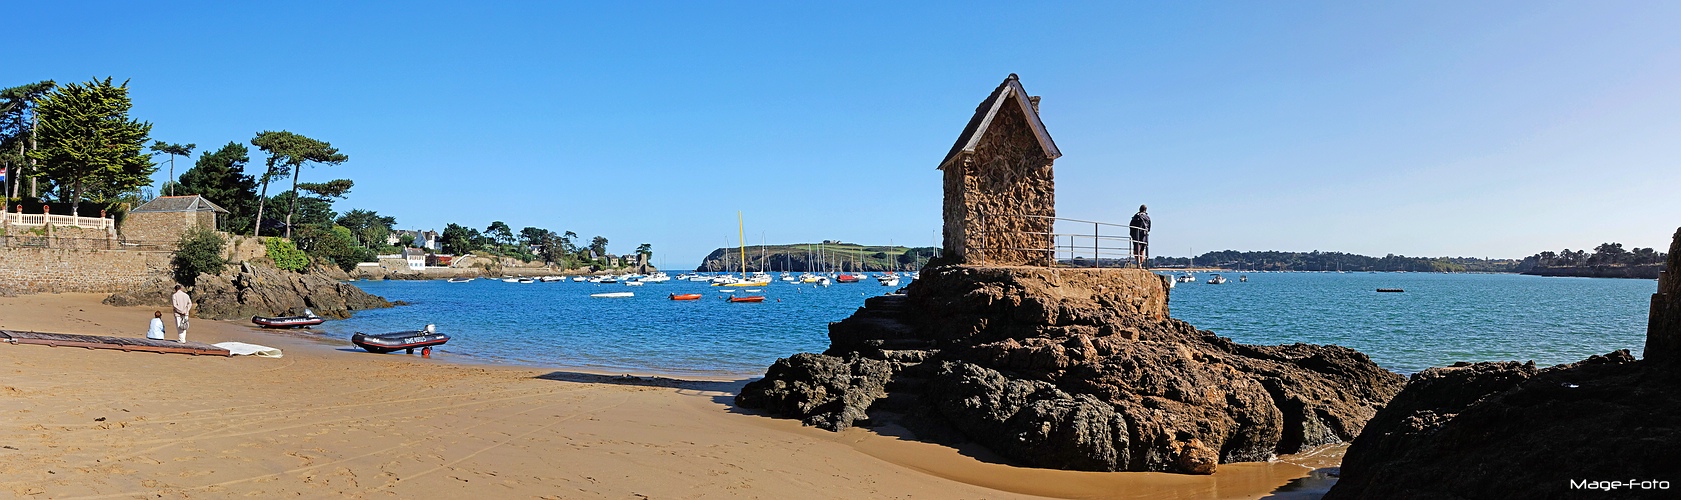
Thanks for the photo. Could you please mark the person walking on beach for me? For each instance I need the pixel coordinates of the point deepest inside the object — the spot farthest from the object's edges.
(1141, 236)
(155, 332)
(183, 305)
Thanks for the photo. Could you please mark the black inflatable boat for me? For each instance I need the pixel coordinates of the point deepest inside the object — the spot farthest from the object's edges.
(287, 321)
(406, 341)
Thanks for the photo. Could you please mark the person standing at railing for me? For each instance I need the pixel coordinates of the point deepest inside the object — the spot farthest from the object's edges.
(1141, 236)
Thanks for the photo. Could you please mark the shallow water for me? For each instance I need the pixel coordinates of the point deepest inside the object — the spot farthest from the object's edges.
(1440, 319)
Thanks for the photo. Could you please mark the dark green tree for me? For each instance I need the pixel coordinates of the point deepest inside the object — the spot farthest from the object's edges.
(173, 150)
(500, 232)
(19, 121)
(219, 176)
(599, 246)
(370, 228)
(198, 252)
(645, 249)
(289, 152)
(458, 240)
(88, 142)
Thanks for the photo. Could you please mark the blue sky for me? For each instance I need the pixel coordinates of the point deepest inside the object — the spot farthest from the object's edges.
(1421, 128)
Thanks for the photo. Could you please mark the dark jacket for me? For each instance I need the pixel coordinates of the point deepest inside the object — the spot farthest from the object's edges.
(1140, 227)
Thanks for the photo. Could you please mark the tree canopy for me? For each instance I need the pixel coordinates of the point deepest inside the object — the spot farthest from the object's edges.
(88, 143)
(220, 177)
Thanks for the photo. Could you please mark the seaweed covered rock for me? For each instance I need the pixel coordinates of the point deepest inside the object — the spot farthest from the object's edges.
(255, 289)
(1083, 369)
(824, 391)
(1510, 430)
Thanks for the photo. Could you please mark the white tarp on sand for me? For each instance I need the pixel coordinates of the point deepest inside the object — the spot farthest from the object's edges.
(244, 349)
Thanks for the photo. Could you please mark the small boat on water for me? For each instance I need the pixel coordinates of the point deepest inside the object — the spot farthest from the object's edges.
(1186, 278)
(422, 339)
(551, 279)
(304, 321)
(460, 280)
(1390, 290)
(634, 283)
(527, 280)
(747, 298)
(510, 280)
(613, 295)
(1242, 278)
(846, 278)
(1217, 280)
(685, 296)
(888, 280)
(578, 279)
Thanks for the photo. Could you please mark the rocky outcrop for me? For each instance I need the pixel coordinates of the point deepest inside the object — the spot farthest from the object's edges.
(1073, 369)
(254, 288)
(1510, 430)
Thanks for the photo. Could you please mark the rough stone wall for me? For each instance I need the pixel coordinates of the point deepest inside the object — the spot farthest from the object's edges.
(1663, 327)
(245, 248)
(55, 270)
(1008, 175)
(160, 228)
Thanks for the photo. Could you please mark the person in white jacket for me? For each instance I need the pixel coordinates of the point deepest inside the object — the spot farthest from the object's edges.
(155, 332)
(183, 306)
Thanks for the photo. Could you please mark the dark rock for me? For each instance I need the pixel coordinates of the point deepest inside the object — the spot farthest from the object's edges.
(256, 289)
(1078, 369)
(1509, 430)
(824, 391)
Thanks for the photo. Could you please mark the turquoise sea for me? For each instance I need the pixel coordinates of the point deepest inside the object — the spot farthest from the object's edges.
(1439, 319)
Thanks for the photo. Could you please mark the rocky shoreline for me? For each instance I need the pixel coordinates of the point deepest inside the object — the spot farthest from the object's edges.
(1072, 369)
(256, 288)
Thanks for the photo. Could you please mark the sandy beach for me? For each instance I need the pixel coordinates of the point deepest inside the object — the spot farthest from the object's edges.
(329, 420)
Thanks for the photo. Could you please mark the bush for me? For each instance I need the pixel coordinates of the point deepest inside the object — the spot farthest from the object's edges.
(286, 255)
(200, 251)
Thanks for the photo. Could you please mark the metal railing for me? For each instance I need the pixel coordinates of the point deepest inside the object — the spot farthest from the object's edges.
(18, 219)
(1064, 242)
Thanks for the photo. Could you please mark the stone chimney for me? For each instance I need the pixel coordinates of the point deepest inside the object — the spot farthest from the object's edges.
(1663, 326)
(1034, 100)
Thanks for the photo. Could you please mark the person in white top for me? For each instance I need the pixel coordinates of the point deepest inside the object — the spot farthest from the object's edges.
(183, 305)
(155, 332)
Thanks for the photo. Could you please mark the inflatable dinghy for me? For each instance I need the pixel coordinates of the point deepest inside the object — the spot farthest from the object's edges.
(382, 343)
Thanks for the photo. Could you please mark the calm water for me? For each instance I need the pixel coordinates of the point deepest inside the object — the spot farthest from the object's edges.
(1440, 319)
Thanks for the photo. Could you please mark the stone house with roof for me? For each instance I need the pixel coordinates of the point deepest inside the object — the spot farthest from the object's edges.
(999, 193)
(162, 220)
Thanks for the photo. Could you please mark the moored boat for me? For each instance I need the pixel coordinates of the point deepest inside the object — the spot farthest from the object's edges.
(747, 298)
(460, 280)
(422, 339)
(304, 321)
(685, 296)
(613, 295)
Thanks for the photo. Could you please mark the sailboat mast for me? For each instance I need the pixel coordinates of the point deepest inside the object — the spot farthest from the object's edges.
(741, 228)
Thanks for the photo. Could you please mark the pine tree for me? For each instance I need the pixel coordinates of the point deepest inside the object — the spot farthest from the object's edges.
(89, 144)
(220, 177)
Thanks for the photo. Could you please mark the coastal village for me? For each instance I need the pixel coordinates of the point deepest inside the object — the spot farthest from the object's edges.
(1031, 352)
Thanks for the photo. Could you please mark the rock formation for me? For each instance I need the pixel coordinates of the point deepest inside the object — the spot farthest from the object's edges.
(1510, 430)
(1073, 369)
(252, 288)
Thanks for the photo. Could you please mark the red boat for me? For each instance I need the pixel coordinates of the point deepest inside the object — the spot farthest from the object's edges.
(846, 278)
(749, 298)
(288, 321)
(407, 341)
(686, 296)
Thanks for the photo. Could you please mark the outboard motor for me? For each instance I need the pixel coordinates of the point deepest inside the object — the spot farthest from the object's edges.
(431, 328)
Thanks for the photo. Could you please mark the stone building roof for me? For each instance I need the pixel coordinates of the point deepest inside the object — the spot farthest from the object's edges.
(989, 109)
(188, 203)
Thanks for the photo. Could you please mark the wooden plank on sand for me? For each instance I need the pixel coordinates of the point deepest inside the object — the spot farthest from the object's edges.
(105, 342)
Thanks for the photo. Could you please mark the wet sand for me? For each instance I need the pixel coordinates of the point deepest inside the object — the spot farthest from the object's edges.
(329, 420)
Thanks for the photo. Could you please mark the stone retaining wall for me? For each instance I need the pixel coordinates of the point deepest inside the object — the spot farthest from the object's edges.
(57, 270)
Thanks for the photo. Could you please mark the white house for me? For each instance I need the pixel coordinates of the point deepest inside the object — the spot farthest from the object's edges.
(415, 257)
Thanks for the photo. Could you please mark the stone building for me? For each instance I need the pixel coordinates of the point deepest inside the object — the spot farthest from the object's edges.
(163, 220)
(999, 194)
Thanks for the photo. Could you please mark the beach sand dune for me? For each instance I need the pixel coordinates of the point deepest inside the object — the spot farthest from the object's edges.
(327, 420)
